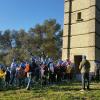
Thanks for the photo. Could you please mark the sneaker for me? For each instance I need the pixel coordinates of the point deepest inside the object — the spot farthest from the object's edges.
(27, 88)
(88, 89)
(82, 90)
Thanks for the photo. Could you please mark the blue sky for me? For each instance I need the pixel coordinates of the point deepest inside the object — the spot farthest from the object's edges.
(17, 14)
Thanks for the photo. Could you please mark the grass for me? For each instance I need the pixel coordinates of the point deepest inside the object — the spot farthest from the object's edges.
(66, 91)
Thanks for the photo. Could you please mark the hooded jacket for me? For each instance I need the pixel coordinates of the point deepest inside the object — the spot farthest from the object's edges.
(84, 66)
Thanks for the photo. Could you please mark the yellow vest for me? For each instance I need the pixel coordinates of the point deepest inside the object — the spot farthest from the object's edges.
(2, 74)
(68, 69)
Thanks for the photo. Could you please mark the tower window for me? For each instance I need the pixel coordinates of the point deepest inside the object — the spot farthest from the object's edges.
(79, 16)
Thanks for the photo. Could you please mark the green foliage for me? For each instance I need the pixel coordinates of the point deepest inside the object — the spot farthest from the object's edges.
(42, 38)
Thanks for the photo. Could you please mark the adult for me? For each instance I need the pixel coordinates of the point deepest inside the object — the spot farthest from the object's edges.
(84, 68)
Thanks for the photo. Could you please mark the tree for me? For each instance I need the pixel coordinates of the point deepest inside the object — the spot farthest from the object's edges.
(43, 39)
(5, 39)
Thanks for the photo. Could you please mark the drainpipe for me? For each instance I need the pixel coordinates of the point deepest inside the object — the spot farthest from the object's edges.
(69, 29)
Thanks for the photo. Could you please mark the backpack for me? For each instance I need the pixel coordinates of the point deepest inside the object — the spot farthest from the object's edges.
(68, 69)
(27, 68)
(51, 68)
(20, 73)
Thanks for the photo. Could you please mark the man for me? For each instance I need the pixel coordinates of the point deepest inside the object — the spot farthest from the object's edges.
(85, 68)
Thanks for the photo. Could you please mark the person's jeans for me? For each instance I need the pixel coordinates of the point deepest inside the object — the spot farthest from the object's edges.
(29, 76)
(85, 80)
(12, 77)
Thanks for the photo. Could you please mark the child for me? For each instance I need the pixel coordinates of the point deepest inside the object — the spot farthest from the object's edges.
(7, 77)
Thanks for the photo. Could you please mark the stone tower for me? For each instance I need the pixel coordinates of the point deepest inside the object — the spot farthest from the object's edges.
(81, 34)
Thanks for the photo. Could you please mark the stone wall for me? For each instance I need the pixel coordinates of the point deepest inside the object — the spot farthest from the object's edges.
(84, 37)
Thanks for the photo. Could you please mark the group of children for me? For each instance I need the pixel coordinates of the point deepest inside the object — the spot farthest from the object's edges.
(47, 71)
